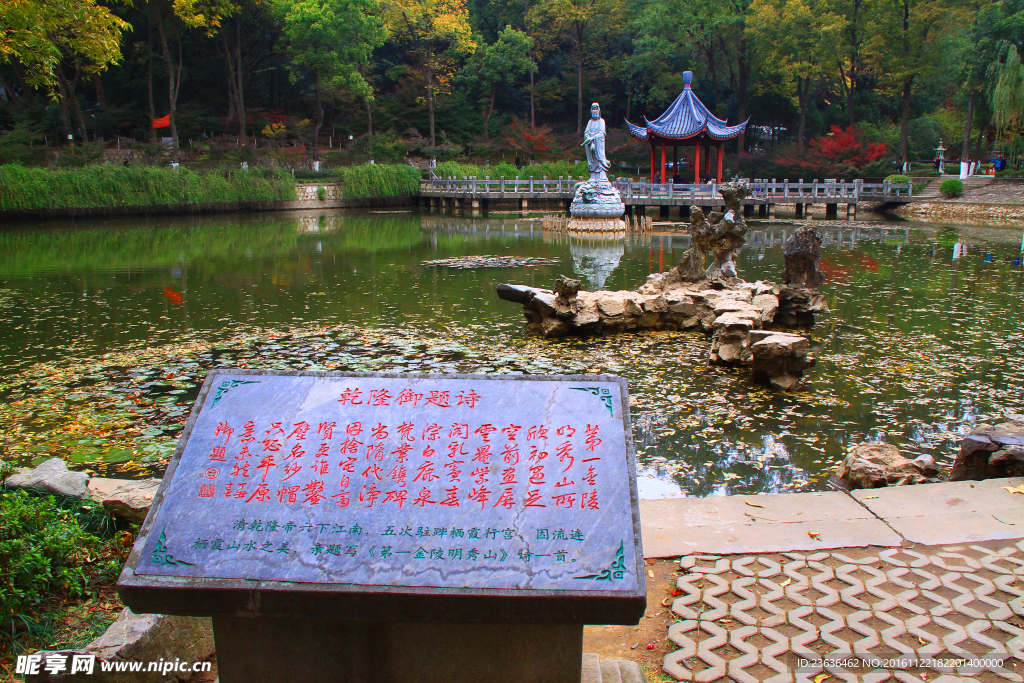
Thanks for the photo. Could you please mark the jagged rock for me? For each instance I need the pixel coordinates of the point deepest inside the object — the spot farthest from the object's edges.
(779, 358)
(875, 465)
(566, 287)
(127, 499)
(991, 452)
(141, 638)
(52, 476)
(802, 253)
(797, 306)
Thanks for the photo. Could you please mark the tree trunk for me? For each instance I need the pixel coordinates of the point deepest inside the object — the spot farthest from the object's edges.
(318, 114)
(743, 69)
(62, 89)
(240, 80)
(533, 120)
(173, 80)
(803, 89)
(230, 62)
(854, 61)
(19, 70)
(369, 119)
(908, 85)
(149, 80)
(76, 108)
(579, 87)
(11, 96)
(965, 150)
(429, 78)
(490, 110)
(101, 93)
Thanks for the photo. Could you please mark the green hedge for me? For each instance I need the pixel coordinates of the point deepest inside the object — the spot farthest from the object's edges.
(550, 170)
(24, 188)
(951, 188)
(898, 179)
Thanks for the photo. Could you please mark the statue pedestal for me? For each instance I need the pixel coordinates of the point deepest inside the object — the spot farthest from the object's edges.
(597, 206)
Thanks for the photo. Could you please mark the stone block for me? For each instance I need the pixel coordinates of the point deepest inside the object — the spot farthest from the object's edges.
(52, 476)
(142, 638)
(991, 452)
(132, 499)
(880, 464)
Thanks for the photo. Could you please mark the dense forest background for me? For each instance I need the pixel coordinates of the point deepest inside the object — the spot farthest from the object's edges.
(858, 84)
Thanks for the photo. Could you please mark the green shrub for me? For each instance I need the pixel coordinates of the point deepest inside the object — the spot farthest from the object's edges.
(321, 193)
(951, 188)
(44, 549)
(379, 180)
(897, 179)
(550, 170)
(1010, 174)
(24, 188)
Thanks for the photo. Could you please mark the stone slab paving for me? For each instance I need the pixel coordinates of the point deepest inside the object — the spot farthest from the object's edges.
(952, 512)
(760, 523)
(937, 613)
(918, 584)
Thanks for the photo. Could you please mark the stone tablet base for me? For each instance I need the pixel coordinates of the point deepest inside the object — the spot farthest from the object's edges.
(596, 225)
(266, 650)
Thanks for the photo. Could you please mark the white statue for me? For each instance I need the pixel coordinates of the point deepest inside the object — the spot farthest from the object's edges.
(593, 142)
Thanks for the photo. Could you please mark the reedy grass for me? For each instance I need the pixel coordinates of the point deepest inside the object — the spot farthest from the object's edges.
(23, 188)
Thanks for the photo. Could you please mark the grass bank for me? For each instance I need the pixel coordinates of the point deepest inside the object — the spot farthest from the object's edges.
(29, 189)
(368, 180)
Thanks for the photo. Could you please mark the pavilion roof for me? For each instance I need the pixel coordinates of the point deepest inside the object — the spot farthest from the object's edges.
(685, 118)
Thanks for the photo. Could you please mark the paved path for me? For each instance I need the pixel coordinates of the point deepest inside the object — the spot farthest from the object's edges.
(929, 577)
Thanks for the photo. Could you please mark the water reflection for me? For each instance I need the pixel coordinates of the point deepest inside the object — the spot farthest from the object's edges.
(924, 340)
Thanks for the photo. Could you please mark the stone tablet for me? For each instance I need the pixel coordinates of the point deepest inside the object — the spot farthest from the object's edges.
(368, 483)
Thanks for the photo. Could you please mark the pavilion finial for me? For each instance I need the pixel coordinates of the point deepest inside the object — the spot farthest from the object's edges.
(687, 78)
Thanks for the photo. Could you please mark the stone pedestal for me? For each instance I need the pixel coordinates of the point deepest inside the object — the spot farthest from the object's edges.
(597, 206)
(266, 650)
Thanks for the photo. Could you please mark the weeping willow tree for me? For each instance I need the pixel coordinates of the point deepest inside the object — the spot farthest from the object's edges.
(1006, 88)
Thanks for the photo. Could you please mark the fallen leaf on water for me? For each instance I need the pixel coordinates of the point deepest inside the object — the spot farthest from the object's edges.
(1015, 489)
(814, 535)
(650, 573)
(650, 646)
(820, 677)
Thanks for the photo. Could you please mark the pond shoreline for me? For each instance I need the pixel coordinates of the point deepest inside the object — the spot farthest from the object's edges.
(208, 208)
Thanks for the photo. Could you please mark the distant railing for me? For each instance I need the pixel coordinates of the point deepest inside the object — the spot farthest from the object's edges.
(761, 189)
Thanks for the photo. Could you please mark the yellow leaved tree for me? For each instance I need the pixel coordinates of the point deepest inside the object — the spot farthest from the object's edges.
(437, 34)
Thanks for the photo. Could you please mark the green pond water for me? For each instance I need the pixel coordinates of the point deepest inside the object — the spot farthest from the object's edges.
(107, 329)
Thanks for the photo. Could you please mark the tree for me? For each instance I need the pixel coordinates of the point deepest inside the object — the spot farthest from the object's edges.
(330, 41)
(244, 43)
(37, 35)
(437, 34)
(499, 64)
(905, 42)
(574, 21)
(797, 39)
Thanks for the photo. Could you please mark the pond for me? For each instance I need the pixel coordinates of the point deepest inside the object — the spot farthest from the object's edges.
(107, 329)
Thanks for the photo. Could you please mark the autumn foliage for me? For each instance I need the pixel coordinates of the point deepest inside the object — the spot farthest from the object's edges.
(843, 153)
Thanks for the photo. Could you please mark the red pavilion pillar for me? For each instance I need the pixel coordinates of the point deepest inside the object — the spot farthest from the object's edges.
(720, 150)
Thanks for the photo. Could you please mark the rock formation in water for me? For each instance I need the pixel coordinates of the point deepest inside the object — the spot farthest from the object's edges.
(991, 452)
(799, 298)
(739, 315)
(872, 466)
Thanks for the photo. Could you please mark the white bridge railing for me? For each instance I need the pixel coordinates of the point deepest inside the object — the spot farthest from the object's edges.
(782, 191)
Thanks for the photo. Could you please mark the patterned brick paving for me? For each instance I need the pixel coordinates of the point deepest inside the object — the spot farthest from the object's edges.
(749, 618)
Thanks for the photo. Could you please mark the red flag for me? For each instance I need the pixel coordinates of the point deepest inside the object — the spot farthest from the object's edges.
(162, 123)
(172, 295)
